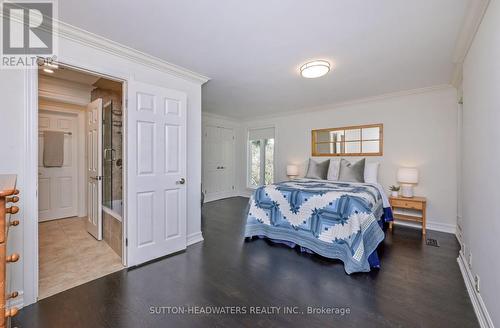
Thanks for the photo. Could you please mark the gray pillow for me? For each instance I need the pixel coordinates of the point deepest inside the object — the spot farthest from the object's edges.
(352, 172)
(317, 170)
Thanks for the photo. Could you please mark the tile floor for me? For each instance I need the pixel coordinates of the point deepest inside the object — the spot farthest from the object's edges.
(69, 256)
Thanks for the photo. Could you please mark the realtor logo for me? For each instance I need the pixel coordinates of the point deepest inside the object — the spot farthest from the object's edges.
(27, 32)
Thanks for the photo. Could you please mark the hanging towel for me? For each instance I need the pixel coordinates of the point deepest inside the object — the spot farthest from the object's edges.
(53, 149)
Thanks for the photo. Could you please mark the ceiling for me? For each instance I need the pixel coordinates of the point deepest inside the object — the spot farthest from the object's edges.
(66, 74)
(252, 50)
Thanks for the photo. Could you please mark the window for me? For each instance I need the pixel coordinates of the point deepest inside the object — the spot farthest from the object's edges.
(362, 140)
(260, 157)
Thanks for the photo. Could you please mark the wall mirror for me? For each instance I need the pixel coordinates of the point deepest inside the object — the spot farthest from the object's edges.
(361, 140)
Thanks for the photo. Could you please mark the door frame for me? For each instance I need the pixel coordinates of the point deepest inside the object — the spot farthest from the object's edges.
(30, 192)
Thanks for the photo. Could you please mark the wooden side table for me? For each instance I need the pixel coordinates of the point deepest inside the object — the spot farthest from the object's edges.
(414, 203)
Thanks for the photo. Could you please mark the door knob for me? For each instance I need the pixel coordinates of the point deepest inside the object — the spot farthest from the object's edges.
(181, 181)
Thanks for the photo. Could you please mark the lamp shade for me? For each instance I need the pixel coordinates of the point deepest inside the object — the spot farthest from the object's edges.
(407, 175)
(292, 170)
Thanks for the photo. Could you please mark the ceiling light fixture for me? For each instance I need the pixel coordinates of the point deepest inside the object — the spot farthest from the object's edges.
(314, 69)
(48, 70)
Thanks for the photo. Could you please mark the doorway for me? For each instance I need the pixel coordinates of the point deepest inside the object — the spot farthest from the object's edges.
(80, 172)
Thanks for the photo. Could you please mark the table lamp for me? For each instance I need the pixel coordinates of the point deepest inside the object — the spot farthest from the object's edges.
(407, 176)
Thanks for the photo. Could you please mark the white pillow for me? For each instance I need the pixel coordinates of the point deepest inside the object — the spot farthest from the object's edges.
(371, 172)
(333, 169)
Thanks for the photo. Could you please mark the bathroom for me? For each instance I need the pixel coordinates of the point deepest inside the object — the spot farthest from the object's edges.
(80, 178)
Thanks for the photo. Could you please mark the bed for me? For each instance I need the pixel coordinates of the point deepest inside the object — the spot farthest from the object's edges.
(337, 220)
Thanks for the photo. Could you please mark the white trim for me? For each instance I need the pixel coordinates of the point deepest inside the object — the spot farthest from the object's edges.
(353, 102)
(472, 20)
(247, 193)
(480, 309)
(217, 117)
(84, 37)
(30, 186)
(194, 238)
(217, 196)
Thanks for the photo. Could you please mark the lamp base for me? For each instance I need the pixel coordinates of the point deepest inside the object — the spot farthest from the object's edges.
(407, 191)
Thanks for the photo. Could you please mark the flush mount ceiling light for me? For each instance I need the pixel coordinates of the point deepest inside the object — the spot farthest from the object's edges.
(314, 69)
(48, 70)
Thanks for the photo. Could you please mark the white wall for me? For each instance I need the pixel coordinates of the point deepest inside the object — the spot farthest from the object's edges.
(13, 123)
(481, 158)
(420, 129)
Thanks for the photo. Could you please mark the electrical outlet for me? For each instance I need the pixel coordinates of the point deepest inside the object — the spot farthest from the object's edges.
(476, 283)
(470, 260)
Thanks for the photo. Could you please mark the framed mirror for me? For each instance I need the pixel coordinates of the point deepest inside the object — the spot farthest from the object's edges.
(361, 140)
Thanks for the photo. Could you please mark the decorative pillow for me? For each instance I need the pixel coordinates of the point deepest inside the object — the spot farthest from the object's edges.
(333, 170)
(317, 170)
(352, 172)
(371, 172)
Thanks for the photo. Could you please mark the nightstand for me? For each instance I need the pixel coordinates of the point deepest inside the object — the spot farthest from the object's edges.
(417, 204)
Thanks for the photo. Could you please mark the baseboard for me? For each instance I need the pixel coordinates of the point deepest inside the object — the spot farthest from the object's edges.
(477, 301)
(431, 225)
(210, 198)
(443, 227)
(245, 193)
(194, 238)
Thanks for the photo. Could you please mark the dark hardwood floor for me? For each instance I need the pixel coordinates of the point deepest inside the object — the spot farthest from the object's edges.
(417, 286)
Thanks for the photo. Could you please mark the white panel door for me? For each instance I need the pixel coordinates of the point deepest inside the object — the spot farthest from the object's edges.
(226, 168)
(211, 166)
(218, 161)
(94, 168)
(58, 186)
(156, 155)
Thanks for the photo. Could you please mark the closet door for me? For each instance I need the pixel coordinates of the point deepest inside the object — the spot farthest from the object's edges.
(218, 162)
(212, 156)
(226, 168)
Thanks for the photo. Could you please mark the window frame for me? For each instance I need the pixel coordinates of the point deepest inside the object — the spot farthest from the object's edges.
(380, 139)
(262, 157)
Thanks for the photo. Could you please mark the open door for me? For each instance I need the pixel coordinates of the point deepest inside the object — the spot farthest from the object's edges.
(156, 172)
(94, 167)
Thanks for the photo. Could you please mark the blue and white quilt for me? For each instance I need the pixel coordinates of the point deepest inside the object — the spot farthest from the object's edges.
(338, 220)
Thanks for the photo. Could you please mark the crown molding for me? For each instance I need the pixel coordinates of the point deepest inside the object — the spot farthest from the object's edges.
(217, 117)
(84, 37)
(352, 102)
(472, 20)
(73, 33)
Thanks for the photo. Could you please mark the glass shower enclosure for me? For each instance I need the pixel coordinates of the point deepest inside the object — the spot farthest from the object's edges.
(112, 159)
